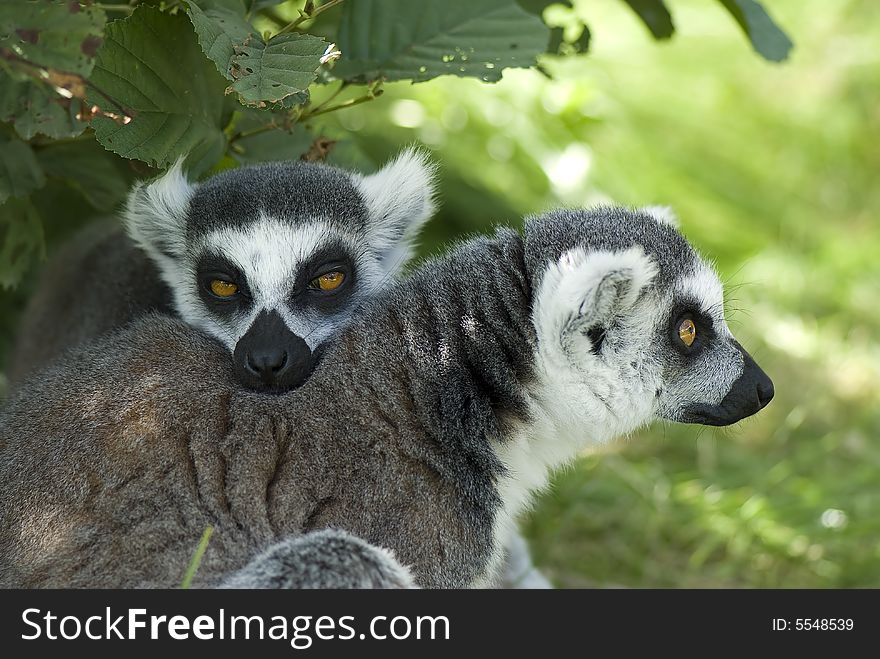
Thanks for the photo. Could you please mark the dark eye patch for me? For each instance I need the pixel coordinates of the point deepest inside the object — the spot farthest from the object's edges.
(705, 329)
(333, 257)
(214, 266)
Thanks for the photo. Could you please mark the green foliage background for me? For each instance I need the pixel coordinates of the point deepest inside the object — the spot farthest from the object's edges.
(772, 169)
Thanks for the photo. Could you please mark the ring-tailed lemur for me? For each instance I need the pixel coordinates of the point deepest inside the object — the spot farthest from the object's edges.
(425, 429)
(270, 259)
(292, 249)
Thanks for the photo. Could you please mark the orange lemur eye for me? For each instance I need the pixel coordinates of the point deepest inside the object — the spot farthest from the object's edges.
(329, 281)
(222, 288)
(687, 332)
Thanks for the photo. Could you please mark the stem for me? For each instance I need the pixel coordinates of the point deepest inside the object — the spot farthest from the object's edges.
(327, 100)
(256, 131)
(197, 558)
(296, 115)
(345, 104)
(307, 16)
(124, 8)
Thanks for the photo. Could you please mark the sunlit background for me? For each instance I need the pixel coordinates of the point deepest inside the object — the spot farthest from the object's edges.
(774, 171)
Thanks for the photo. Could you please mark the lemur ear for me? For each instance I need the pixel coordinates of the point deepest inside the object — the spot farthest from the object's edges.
(400, 199)
(580, 297)
(583, 293)
(663, 214)
(609, 283)
(155, 213)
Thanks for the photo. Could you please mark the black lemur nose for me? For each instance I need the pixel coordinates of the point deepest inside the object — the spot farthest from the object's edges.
(765, 390)
(271, 357)
(267, 364)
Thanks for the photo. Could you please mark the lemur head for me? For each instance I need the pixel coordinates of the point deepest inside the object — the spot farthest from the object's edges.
(272, 259)
(631, 316)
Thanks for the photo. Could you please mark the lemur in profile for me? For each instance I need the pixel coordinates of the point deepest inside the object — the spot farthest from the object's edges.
(269, 259)
(431, 420)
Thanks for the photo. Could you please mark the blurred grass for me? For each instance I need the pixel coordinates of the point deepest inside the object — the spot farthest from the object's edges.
(773, 170)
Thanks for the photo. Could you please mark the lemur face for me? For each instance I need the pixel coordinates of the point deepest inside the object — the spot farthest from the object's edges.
(637, 318)
(272, 260)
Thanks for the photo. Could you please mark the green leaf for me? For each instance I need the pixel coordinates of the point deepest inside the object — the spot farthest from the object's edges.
(270, 72)
(401, 40)
(261, 72)
(272, 145)
(58, 34)
(152, 68)
(21, 240)
(537, 7)
(655, 16)
(35, 108)
(54, 43)
(767, 37)
(100, 177)
(219, 28)
(20, 173)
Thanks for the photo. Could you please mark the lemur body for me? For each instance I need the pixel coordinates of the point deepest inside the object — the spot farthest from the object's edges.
(425, 429)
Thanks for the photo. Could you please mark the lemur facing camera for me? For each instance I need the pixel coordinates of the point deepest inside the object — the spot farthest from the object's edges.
(269, 259)
(425, 430)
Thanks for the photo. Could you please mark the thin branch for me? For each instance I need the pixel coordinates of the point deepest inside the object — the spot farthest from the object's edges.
(298, 115)
(255, 131)
(334, 108)
(307, 15)
(327, 100)
(374, 91)
(123, 8)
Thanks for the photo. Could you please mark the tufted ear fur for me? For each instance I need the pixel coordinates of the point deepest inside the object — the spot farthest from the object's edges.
(155, 213)
(583, 293)
(663, 214)
(400, 199)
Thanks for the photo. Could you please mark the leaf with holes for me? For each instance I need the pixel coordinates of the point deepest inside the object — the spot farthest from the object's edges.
(767, 37)
(21, 240)
(270, 72)
(403, 40)
(219, 27)
(152, 69)
(59, 34)
(20, 173)
(35, 108)
(262, 73)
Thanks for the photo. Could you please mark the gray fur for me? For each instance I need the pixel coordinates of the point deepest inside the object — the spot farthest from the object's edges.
(614, 230)
(417, 433)
(95, 284)
(279, 189)
(322, 559)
